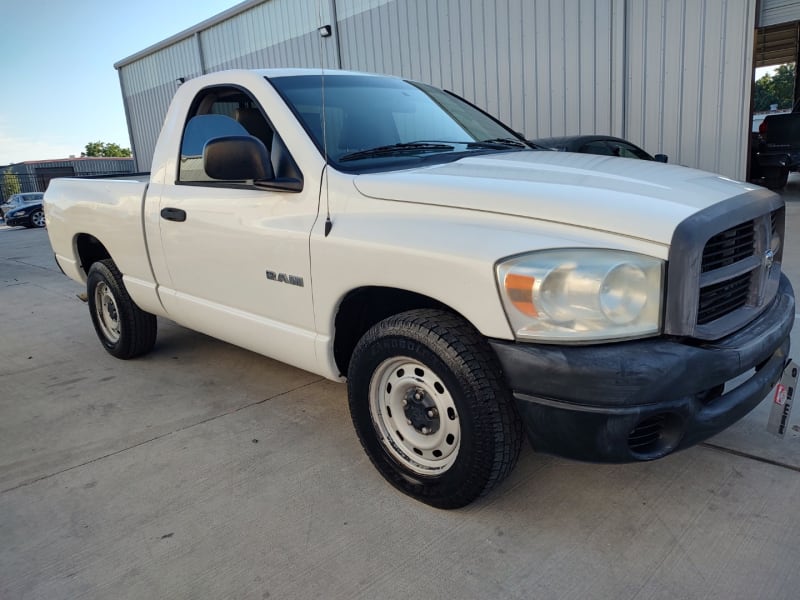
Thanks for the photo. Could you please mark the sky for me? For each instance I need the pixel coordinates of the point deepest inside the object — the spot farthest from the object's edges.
(58, 86)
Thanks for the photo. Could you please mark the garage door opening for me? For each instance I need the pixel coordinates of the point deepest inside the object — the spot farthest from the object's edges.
(775, 130)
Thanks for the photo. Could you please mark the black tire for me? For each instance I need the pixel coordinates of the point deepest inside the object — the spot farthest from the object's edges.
(778, 179)
(427, 378)
(37, 218)
(124, 329)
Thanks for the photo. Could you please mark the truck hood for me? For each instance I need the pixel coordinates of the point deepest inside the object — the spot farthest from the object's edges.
(635, 198)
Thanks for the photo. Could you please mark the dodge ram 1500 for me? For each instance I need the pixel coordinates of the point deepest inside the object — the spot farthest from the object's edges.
(471, 289)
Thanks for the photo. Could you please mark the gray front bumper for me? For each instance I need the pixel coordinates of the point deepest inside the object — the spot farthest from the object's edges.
(643, 399)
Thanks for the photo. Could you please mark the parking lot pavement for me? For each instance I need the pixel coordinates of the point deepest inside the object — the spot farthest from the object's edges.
(206, 471)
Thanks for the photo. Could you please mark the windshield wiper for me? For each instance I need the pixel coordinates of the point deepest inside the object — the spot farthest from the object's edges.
(499, 143)
(394, 149)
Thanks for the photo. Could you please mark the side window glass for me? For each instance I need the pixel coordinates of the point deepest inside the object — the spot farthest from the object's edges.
(199, 130)
(227, 111)
(599, 147)
(628, 151)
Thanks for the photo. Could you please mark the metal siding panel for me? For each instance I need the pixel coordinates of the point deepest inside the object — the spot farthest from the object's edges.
(516, 67)
(687, 146)
(735, 119)
(674, 78)
(635, 48)
(543, 95)
(602, 77)
(689, 71)
(573, 73)
(775, 12)
(345, 41)
(585, 43)
(435, 35)
(413, 67)
(529, 74)
(348, 8)
(467, 47)
(500, 65)
(491, 57)
(563, 73)
(619, 73)
(375, 40)
(353, 58)
(655, 93)
(427, 57)
(713, 83)
(458, 49)
(234, 42)
(573, 42)
(178, 60)
(391, 42)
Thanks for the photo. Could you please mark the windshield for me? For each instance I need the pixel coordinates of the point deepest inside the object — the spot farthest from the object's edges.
(383, 123)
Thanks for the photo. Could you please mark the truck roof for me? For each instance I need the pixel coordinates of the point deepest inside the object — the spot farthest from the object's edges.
(295, 72)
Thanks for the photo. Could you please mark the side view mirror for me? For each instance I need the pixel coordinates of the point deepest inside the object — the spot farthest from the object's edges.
(237, 158)
(662, 158)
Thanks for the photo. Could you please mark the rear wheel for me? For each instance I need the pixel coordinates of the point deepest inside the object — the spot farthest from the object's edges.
(431, 409)
(124, 329)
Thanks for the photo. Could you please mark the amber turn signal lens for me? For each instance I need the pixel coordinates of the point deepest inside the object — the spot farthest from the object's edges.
(520, 291)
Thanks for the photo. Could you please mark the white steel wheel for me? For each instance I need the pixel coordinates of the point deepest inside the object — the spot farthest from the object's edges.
(415, 416)
(124, 329)
(431, 409)
(107, 313)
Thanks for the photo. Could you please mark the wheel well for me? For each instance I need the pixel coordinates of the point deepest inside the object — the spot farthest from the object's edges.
(90, 250)
(363, 308)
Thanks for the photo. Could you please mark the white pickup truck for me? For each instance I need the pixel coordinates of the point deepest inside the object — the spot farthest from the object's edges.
(470, 288)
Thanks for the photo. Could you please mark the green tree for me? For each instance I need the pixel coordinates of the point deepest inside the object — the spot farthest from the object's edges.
(777, 88)
(11, 184)
(103, 149)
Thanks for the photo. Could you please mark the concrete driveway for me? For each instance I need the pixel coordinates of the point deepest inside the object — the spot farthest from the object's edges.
(206, 471)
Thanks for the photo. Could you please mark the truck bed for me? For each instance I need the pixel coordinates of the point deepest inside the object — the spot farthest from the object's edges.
(108, 210)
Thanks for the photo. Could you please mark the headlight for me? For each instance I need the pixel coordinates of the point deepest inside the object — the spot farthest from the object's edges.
(582, 295)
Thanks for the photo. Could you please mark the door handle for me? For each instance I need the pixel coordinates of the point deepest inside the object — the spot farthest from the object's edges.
(173, 214)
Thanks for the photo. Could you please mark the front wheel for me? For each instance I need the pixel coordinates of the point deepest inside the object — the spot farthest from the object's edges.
(431, 409)
(124, 329)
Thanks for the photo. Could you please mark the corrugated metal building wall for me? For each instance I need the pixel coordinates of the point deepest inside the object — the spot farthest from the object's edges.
(689, 77)
(671, 75)
(545, 67)
(253, 34)
(775, 12)
(33, 176)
